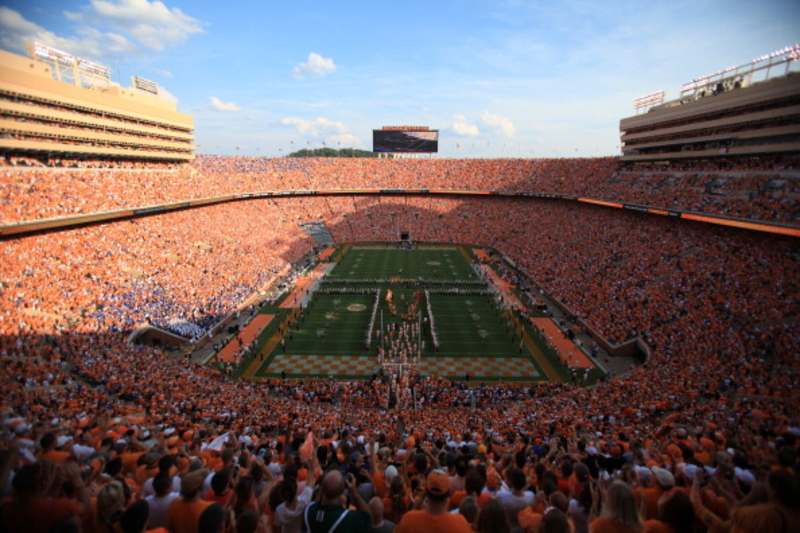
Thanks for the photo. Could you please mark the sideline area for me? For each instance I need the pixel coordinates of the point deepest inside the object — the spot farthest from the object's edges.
(568, 352)
(325, 254)
(304, 286)
(244, 338)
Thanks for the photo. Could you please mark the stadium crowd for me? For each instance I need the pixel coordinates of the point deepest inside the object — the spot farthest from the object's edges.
(704, 432)
(765, 190)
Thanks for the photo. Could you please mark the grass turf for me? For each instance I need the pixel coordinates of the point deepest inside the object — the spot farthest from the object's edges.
(475, 335)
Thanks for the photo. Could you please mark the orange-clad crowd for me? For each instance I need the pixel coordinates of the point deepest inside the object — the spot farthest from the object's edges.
(761, 189)
(103, 434)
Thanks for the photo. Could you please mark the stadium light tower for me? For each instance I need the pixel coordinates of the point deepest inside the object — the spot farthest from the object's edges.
(69, 68)
(145, 85)
(761, 68)
(648, 101)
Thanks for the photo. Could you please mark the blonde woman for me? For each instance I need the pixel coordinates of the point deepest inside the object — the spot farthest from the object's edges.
(619, 514)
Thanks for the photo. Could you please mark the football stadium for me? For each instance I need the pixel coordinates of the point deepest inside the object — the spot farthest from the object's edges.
(611, 341)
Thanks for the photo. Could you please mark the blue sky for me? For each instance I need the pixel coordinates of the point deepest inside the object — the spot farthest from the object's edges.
(497, 78)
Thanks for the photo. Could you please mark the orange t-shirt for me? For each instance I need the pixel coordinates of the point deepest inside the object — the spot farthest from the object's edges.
(602, 524)
(416, 521)
(54, 456)
(458, 497)
(651, 496)
(765, 517)
(36, 514)
(211, 496)
(530, 521)
(183, 516)
(388, 507)
(143, 473)
(129, 460)
(379, 482)
(657, 526)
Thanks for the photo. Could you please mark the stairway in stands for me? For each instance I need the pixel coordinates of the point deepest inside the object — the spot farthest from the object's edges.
(319, 231)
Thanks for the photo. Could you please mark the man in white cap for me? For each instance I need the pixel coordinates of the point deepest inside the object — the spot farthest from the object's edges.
(663, 481)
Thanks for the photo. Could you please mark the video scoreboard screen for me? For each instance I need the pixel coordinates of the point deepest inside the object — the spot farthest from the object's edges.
(405, 139)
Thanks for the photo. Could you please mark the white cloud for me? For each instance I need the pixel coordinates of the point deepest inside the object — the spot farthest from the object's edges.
(98, 44)
(16, 33)
(316, 65)
(166, 95)
(153, 24)
(219, 105)
(320, 128)
(462, 127)
(503, 124)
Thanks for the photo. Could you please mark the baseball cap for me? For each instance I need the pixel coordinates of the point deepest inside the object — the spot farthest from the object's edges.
(664, 477)
(438, 482)
(389, 474)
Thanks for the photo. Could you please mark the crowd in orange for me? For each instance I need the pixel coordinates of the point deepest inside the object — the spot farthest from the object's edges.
(718, 306)
(760, 189)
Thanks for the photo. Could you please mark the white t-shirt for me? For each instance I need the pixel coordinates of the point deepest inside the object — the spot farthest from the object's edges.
(512, 505)
(147, 488)
(291, 520)
(159, 508)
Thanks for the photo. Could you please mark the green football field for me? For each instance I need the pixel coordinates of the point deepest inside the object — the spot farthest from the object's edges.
(425, 308)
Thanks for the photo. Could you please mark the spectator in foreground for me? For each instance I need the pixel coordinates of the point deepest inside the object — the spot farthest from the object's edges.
(554, 521)
(184, 512)
(379, 524)
(619, 514)
(434, 515)
(492, 518)
(289, 514)
(781, 511)
(330, 513)
(32, 508)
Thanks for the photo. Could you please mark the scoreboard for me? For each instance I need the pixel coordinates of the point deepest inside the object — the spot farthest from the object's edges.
(405, 139)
